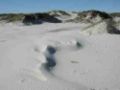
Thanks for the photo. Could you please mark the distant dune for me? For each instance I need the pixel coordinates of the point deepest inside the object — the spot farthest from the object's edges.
(53, 16)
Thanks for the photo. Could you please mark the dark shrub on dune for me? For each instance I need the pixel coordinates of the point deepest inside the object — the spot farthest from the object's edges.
(31, 19)
(104, 15)
(47, 18)
(94, 13)
(39, 18)
(111, 28)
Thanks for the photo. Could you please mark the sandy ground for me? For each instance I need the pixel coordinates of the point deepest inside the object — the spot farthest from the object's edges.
(58, 57)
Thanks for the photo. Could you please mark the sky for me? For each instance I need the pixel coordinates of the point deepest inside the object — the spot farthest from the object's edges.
(28, 6)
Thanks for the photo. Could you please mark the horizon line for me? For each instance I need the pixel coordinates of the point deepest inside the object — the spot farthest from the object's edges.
(28, 12)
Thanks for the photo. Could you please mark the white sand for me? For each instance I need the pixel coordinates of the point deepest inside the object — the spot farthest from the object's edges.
(58, 57)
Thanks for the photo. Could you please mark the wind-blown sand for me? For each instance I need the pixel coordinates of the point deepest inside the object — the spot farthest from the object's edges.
(58, 57)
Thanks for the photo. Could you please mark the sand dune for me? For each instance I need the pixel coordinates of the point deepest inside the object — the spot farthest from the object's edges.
(65, 56)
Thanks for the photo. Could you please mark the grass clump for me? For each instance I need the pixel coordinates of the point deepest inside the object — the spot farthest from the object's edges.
(11, 17)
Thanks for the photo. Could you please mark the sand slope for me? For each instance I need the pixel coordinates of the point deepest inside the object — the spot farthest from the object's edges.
(58, 57)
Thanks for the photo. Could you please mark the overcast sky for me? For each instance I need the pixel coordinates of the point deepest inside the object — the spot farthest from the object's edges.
(7, 6)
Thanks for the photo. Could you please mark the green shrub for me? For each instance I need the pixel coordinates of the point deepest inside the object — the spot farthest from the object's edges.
(11, 17)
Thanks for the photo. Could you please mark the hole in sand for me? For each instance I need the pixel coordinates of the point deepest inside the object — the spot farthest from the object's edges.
(50, 58)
